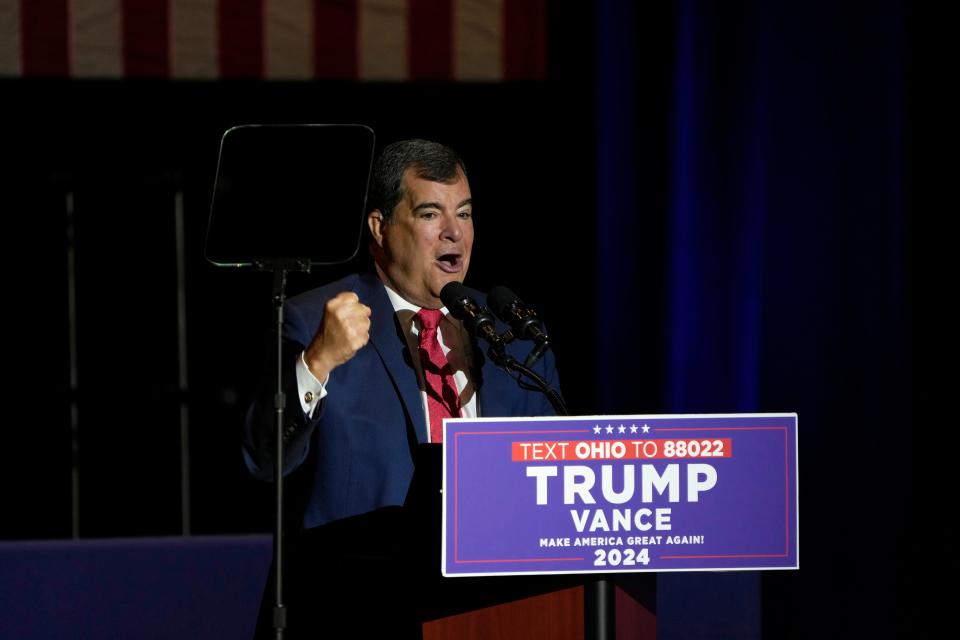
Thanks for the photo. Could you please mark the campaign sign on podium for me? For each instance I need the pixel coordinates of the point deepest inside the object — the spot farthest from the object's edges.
(619, 493)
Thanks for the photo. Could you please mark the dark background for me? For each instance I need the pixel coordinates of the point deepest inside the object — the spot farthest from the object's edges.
(711, 203)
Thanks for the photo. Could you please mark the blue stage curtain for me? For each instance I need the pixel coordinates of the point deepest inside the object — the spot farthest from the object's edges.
(753, 240)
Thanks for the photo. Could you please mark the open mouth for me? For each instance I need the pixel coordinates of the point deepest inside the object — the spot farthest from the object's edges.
(450, 262)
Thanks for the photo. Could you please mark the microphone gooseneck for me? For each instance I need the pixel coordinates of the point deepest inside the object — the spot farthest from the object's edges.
(478, 320)
(521, 317)
(481, 325)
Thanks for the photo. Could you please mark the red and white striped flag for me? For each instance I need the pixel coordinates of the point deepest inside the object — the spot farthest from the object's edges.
(381, 40)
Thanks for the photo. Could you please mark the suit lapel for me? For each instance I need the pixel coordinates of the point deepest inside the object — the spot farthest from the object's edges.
(390, 344)
(490, 391)
(496, 391)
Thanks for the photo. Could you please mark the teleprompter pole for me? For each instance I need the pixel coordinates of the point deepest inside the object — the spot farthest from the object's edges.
(280, 269)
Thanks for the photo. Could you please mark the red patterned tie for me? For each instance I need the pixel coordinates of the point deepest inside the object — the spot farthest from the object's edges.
(443, 400)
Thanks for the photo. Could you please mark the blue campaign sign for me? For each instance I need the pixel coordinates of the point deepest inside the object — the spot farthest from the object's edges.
(620, 493)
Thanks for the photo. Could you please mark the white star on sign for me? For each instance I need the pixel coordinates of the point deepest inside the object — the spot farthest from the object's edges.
(596, 429)
(609, 429)
(633, 428)
(622, 429)
(646, 429)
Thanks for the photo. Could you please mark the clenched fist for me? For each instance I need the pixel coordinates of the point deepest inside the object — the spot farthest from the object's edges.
(344, 330)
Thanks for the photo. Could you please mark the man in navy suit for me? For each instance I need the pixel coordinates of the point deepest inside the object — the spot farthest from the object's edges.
(357, 396)
(360, 401)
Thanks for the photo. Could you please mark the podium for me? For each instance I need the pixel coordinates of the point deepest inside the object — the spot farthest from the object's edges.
(378, 575)
(535, 507)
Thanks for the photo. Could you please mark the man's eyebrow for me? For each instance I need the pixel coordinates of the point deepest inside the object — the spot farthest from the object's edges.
(436, 205)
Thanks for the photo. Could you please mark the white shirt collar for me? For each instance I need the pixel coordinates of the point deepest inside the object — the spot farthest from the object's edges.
(402, 304)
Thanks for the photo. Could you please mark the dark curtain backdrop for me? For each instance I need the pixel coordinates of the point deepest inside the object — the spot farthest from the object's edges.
(754, 255)
(708, 202)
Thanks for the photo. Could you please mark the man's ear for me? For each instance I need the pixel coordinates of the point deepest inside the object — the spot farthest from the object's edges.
(375, 223)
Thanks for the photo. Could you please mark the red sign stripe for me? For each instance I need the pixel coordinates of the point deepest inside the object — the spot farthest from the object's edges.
(241, 38)
(524, 39)
(45, 37)
(430, 39)
(146, 38)
(335, 39)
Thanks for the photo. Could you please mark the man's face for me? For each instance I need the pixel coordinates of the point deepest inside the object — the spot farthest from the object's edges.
(428, 242)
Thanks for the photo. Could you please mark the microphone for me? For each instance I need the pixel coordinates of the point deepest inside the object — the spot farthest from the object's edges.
(521, 318)
(480, 323)
(478, 320)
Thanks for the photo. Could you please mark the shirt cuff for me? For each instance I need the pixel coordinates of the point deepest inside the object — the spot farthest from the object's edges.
(311, 390)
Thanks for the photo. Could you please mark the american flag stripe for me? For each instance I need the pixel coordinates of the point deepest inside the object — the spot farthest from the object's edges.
(288, 36)
(95, 49)
(241, 38)
(45, 42)
(478, 33)
(430, 39)
(376, 40)
(146, 37)
(335, 50)
(525, 41)
(193, 39)
(9, 38)
(383, 39)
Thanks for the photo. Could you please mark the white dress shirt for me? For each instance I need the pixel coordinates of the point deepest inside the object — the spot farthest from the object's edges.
(453, 339)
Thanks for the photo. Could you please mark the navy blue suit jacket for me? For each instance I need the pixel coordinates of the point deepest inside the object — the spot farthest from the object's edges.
(358, 447)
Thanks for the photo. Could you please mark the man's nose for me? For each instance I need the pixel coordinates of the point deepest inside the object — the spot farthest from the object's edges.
(452, 228)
